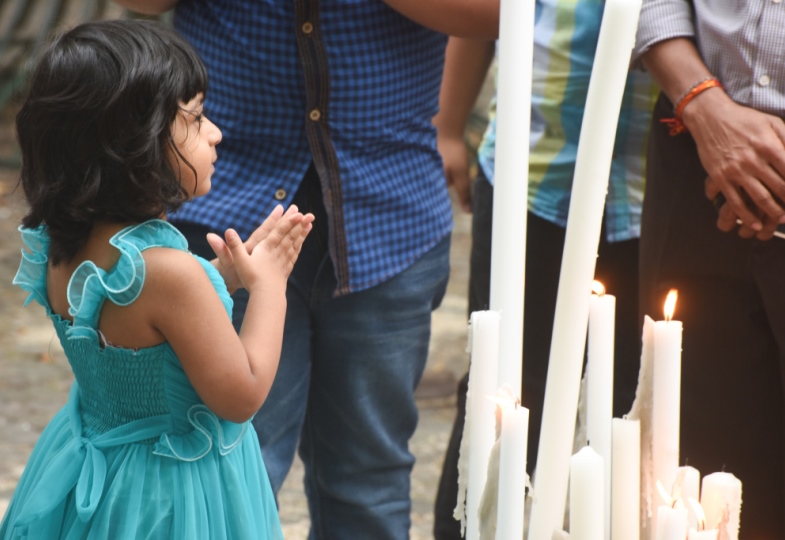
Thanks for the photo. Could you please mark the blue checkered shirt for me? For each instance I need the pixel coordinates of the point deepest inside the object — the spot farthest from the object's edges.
(349, 85)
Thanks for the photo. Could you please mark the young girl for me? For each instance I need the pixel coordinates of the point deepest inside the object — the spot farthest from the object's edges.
(154, 441)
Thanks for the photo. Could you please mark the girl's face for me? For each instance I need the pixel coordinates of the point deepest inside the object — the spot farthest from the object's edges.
(195, 137)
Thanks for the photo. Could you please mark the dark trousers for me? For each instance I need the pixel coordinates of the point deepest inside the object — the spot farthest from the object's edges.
(732, 304)
(617, 268)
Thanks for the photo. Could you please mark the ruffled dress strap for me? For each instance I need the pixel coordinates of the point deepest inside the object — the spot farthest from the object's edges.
(31, 276)
(90, 285)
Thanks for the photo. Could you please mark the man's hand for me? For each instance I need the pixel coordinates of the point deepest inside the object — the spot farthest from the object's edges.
(728, 220)
(455, 156)
(743, 152)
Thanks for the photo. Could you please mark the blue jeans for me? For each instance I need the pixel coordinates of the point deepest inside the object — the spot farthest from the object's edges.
(344, 392)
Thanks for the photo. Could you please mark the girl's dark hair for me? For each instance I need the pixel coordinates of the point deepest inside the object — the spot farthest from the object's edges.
(95, 128)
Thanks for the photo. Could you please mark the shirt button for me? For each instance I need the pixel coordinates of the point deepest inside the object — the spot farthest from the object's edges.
(776, 1)
(764, 80)
(308, 27)
(280, 194)
(315, 115)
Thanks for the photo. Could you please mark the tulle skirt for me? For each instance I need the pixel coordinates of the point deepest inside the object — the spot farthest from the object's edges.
(144, 495)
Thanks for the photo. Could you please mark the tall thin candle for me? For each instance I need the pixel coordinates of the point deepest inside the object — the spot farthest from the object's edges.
(599, 389)
(511, 174)
(667, 396)
(584, 222)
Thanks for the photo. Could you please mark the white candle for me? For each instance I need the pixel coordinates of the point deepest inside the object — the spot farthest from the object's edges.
(599, 392)
(625, 490)
(698, 531)
(587, 521)
(667, 397)
(482, 411)
(641, 410)
(513, 123)
(695, 534)
(687, 487)
(512, 472)
(721, 492)
(584, 222)
(671, 523)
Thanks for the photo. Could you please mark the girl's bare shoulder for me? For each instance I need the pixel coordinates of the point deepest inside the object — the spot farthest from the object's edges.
(169, 270)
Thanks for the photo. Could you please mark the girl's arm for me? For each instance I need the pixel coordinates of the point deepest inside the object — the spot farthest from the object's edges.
(232, 374)
(148, 7)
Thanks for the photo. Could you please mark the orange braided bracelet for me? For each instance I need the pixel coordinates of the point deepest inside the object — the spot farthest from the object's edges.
(676, 125)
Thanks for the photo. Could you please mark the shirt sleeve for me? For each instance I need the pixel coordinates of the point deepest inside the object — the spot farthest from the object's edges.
(661, 20)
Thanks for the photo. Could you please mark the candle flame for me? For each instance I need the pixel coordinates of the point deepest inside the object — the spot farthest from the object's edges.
(670, 304)
(597, 288)
(698, 509)
(505, 398)
(503, 401)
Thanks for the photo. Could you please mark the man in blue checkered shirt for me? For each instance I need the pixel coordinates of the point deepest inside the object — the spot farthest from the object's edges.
(327, 104)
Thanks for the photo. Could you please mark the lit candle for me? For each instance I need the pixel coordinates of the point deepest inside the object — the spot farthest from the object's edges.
(584, 222)
(512, 471)
(511, 169)
(671, 517)
(587, 517)
(481, 411)
(687, 487)
(699, 532)
(667, 396)
(599, 391)
(721, 493)
(625, 490)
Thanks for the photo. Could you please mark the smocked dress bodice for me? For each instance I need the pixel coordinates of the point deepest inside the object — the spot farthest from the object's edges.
(136, 405)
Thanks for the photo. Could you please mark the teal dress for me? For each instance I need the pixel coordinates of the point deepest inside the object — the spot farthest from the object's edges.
(134, 454)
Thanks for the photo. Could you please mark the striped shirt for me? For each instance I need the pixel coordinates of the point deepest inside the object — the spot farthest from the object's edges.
(741, 42)
(565, 40)
(350, 85)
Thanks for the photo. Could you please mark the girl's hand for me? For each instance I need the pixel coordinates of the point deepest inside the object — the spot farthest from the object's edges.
(268, 265)
(224, 262)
